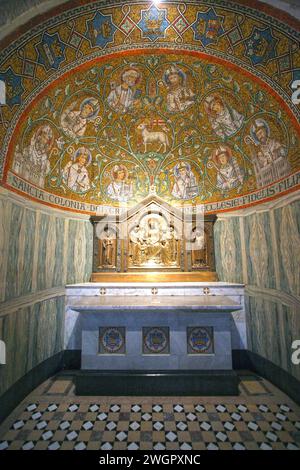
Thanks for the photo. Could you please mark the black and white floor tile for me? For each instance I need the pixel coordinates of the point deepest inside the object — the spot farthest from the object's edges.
(68, 422)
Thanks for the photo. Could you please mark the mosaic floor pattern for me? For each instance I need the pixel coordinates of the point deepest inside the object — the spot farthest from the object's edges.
(53, 418)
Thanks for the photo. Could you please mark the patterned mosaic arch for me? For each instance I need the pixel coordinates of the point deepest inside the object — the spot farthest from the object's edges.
(108, 103)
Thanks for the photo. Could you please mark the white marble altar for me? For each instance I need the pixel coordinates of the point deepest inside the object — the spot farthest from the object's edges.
(177, 306)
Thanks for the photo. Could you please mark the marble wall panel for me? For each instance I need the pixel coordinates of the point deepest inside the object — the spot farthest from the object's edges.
(31, 335)
(259, 250)
(272, 266)
(34, 251)
(5, 209)
(89, 250)
(272, 328)
(42, 251)
(263, 321)
(290, 332)
(13, 272)
(228, 249)
(58, 279)
(79, 262)
(288, 235)
(70, 260)
(26, 239)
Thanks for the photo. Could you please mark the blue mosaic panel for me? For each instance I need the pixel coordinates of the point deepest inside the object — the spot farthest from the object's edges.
(112, 340)
(153, 23)
(261, 46)
(101, 30)
(208, 27)
(51, 51)
(156, 340)
(200, 340)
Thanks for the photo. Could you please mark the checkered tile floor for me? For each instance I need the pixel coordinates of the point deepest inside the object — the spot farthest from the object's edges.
(261, 417)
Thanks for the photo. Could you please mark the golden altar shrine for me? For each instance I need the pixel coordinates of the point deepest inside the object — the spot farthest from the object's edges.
(153, 242)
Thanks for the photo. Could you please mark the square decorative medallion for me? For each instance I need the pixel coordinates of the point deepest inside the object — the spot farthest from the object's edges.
(112, 340)
(156, 340)
(200, 340)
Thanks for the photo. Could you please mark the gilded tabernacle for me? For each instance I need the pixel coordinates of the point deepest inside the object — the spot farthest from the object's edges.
(153, 242)
(153, 237)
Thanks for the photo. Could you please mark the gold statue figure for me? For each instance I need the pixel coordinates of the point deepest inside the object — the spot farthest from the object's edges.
(153, 243)
(199, 251)
(108, 249)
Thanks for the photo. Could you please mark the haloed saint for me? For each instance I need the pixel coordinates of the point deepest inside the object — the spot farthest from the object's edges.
(75, 174)
(185, 184)
(121, 187)
(180, 97)
(224, 119)
(125, 96)
(75, 118)
(229, 173)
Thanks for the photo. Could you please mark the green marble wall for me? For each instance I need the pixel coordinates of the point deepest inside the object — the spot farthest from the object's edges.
(21, 239)
(228, 250)
(39, 251)
(264, 254)
(259, 250)
(288, 234)
(31, 335)
(264, 329)
(272, 328)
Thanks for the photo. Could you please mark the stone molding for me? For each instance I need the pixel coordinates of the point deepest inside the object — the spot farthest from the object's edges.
(273, 295)
(11, 306)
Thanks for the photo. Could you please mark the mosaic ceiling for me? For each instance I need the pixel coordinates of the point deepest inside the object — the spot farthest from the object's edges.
(191, 102)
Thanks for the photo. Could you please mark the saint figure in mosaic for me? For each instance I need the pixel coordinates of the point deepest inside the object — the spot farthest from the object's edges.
(125, 96)
(120, 188)
(33, 163)
(185, 185)
(74, 118)
(224, 119)
(75, 174)
(229, 174)
(269, 156)
(179, 97)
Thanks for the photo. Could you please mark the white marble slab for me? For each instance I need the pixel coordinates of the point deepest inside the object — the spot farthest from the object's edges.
(157, 289)
(199, 303)
(172, 304)
(218, 284)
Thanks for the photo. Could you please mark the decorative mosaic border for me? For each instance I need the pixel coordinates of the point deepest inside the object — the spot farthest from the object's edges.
(22, 187)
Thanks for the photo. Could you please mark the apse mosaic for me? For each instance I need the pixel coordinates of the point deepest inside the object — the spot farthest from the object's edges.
(182, 127)
(100, 111)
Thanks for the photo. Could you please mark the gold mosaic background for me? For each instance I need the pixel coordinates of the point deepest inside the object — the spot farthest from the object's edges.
(93, 136)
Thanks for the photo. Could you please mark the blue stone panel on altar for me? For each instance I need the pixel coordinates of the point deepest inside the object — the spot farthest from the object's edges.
(174, 353)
